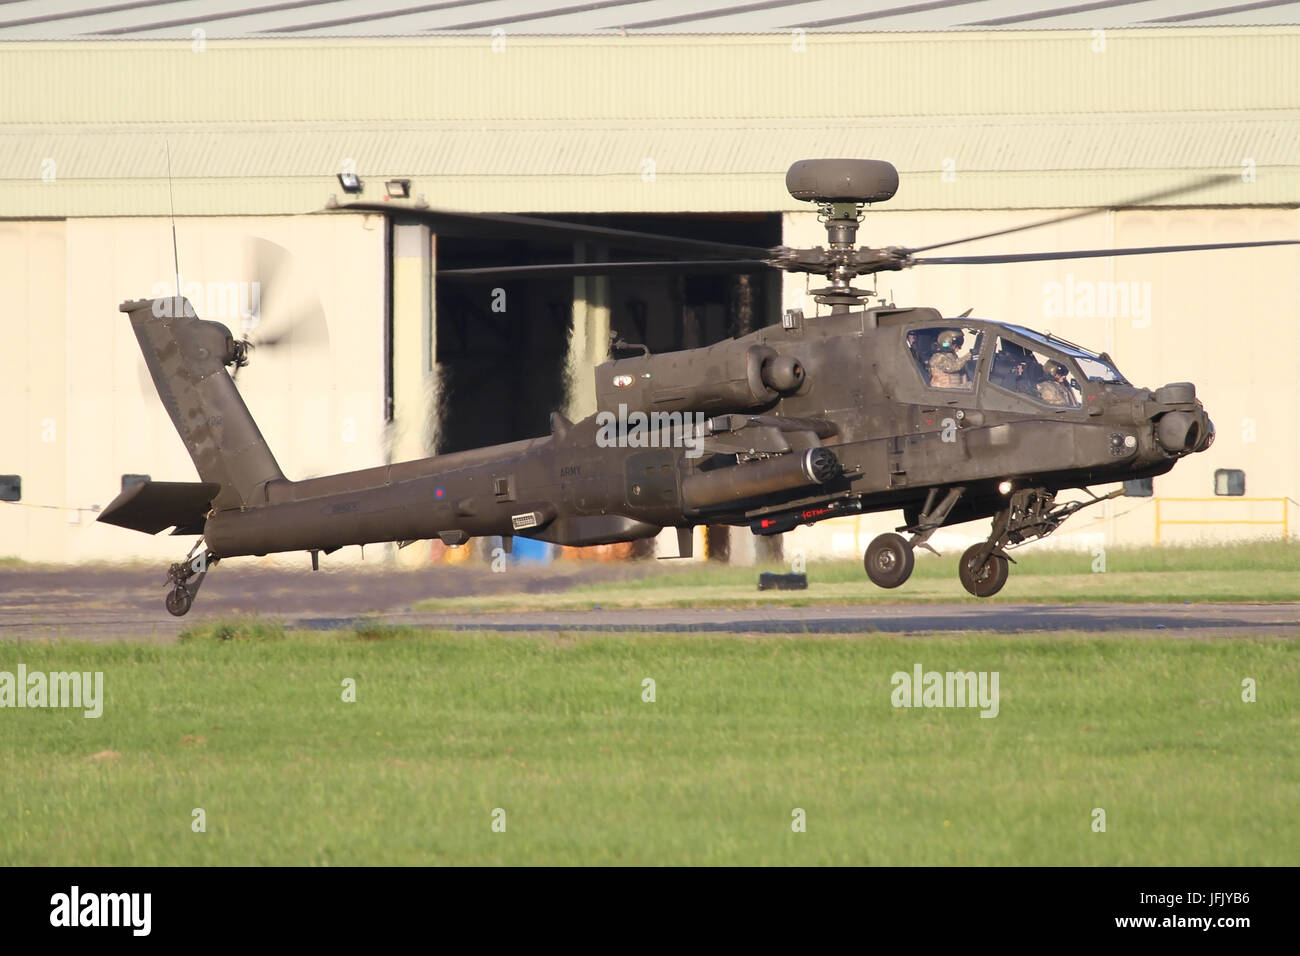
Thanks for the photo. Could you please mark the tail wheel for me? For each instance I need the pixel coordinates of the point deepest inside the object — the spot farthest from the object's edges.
(987, 579)
(889, 560)
(179, 600)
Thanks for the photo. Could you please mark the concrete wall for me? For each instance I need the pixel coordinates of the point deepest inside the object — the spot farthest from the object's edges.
(34, 397)
(81, 410)
(413, 431)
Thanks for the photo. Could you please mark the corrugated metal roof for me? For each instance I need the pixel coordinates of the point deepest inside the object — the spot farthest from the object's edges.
(1027, 120)
(80, 19)
(984, 144)
(838, 78)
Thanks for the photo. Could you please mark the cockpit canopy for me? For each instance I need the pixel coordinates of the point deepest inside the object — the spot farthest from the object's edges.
(1095, 367)
(952, 357)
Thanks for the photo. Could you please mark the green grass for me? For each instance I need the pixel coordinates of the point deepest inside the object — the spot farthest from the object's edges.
(247, 722)
(258, 629)
(1256, 572)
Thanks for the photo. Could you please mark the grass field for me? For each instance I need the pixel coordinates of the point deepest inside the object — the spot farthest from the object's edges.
(1255, 572)
(248, 723)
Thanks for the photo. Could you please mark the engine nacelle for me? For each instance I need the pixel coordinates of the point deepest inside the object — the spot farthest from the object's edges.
(728, 377)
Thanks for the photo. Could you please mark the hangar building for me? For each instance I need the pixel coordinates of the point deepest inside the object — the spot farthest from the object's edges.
(654, 115)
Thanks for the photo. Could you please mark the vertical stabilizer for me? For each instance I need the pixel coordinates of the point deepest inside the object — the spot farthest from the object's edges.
(187, 358)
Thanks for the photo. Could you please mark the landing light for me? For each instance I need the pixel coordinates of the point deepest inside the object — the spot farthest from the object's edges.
(1004, 487)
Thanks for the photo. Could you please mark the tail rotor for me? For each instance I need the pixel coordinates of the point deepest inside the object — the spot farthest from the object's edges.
(278, 312)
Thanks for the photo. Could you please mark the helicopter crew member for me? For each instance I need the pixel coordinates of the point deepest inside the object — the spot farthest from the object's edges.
(1028, 374)
(947, 369)
(1055, 388)
(1008, 365)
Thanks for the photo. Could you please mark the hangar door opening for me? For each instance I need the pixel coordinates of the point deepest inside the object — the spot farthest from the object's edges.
(505, 349)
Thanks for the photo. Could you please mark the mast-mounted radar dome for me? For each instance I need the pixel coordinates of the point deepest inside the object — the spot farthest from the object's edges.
(842, 180)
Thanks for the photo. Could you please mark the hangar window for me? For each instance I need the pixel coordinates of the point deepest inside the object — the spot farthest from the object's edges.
(1038, 375)
(11, 487)
(130, 481)
(946, 355)
(1229, 481)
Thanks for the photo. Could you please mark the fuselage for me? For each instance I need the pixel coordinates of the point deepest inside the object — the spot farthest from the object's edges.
(720, 442)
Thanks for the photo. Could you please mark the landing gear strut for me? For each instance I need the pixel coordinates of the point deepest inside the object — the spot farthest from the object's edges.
(890, 557)
(1032, 513)
(186, 577)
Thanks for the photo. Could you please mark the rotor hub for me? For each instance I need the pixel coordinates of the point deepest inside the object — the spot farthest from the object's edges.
(841, 188)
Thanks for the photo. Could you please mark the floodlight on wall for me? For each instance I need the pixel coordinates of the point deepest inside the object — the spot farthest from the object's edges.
(350, 182)
(398, 188)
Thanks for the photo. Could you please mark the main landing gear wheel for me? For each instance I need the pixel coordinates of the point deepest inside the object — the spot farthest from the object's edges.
(889, 560)
(987, 579)
(179, 600)
(186, 577)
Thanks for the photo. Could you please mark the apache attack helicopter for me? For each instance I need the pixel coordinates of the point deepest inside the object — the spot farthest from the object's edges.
(864, 409)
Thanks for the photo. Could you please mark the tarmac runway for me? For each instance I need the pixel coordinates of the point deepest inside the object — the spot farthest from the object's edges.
(890, 618)
(126, 604)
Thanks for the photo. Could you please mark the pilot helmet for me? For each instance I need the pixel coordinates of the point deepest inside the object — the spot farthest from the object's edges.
(950, 340)
(1054, 369)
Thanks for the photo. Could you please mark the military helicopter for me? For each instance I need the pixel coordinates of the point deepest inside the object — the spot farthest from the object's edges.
(863, 409)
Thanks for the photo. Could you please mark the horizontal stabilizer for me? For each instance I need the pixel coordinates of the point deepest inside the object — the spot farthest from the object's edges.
(152, 506)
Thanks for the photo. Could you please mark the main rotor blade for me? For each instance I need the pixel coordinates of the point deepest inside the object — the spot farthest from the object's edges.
(1093, 253)
(1194, 186)
(508, 225)
(561, 269)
